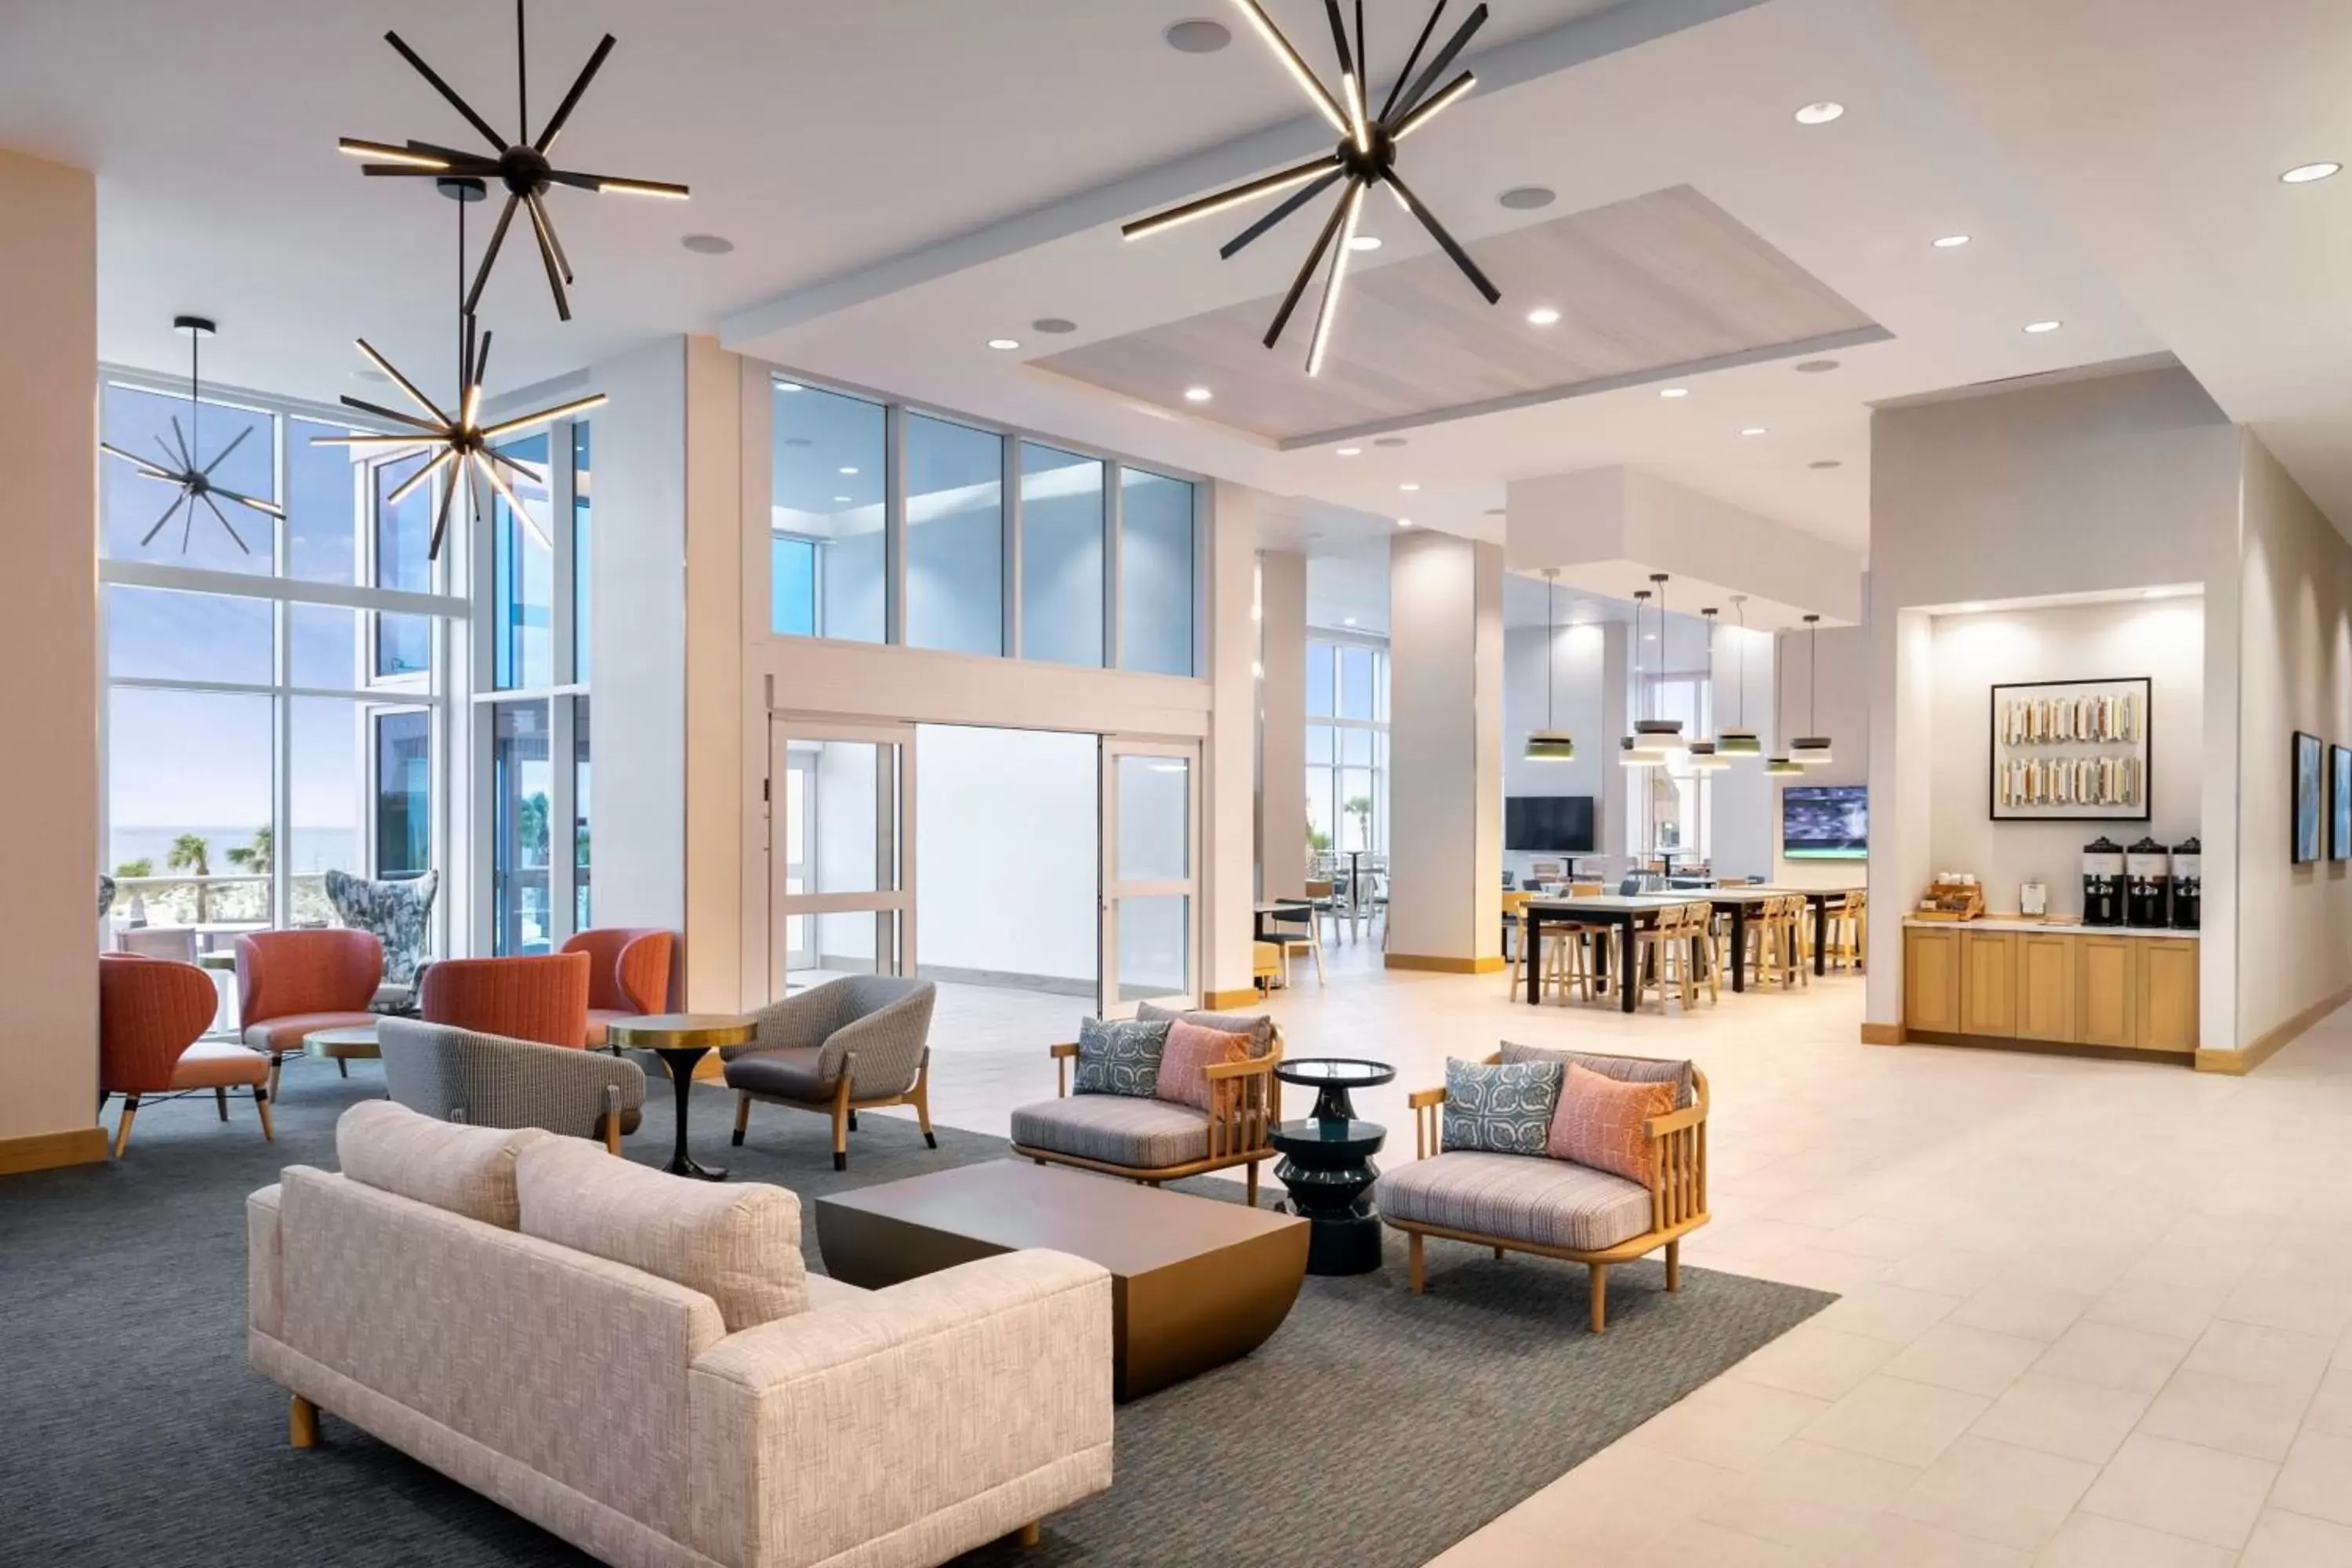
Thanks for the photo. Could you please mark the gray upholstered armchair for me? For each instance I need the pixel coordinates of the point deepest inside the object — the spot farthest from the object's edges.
(851, 1044)
(490, 1080)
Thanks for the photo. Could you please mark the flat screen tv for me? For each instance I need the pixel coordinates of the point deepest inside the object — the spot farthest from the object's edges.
(1548, 824)
(1825, 822)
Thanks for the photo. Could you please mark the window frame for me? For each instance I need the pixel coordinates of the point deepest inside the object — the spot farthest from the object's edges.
(1334, 641)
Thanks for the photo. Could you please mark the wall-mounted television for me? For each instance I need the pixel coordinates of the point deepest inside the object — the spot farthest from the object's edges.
(1825, 822)
(1548, 824)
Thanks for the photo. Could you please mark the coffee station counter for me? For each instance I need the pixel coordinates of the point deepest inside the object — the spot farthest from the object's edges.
(2031, 923)
(2034, 985)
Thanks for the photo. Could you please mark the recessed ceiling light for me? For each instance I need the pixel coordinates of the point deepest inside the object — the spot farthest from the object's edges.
(1816, 366)
(1408, 485)
(1198, 394)
(1196, 36)
(2038, 328)
(1526, 198)
(707, 244)
(1347, 620)
(841, 500)
(1404, 522)
(1388, 440)
(1542, 316)
(1351, 451)
(1820, 114)
(1674, 391)
(1054, 324)
(1755, 430)
(1004, 343)
(2303, 174)
(788, 386)
(849, 471)
(1951, 241)
(1826, 463)
(1365, 242)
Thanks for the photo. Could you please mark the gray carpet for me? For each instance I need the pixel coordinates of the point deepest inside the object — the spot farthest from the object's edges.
(1373, 1431)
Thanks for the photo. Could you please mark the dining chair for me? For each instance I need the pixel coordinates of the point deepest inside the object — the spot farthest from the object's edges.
(1849, 932)
(1305, 915)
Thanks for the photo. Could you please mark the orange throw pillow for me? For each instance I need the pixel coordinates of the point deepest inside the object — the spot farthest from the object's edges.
(1598, 1123)
(1184, 1062)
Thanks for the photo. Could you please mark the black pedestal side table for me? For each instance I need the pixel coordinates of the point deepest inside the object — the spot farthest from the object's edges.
(1327, 1163)
(682, 1040)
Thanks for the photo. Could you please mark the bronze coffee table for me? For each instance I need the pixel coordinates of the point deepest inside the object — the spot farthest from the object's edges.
(1196, 1283)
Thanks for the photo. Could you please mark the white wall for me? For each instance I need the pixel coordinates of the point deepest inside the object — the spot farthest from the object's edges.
(2295, 922)
(1580, 705)
(48, 641)
(1005, 841)
(1844, 715)
(2163, 639)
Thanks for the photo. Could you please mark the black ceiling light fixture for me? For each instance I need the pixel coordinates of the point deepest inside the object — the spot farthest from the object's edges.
(521, 165)
(459, 443)
(183, 464)
(1366, 157)
(1739, 740)
(1811, 751)
(1551, 744)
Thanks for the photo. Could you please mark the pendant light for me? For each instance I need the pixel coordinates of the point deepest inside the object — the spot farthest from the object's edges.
(183, 468)
(1811, 751)
(1781, 766)
(1660, 735)
(1705, 755)
(1636, 749)
(1739, 740)
(1549, 744)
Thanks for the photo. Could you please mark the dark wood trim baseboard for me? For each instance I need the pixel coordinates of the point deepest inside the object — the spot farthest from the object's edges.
(2264, 1047)
(47, 1151)
(1439, 964)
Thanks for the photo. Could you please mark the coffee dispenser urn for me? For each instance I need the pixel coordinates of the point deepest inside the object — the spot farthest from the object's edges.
(2188, 884)
(2102, 883)
(2147, 884)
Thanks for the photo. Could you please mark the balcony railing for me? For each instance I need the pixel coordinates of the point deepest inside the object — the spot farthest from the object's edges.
(221, 899)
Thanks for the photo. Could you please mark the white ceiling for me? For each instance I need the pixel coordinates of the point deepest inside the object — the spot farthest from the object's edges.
(905, 179)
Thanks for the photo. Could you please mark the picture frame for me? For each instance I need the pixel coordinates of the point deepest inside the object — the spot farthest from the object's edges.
(2072, 751)
(2339, 802)
(2308, 801)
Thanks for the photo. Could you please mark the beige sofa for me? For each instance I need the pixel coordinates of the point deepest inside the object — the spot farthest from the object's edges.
(641, 1364)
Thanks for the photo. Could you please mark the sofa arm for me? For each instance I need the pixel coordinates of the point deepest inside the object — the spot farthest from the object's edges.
(265, 1279)
(816, 1433)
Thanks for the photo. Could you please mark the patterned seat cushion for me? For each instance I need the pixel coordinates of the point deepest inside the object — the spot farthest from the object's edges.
(1115, 1129)
(1517, 1197)
(1624, 1070)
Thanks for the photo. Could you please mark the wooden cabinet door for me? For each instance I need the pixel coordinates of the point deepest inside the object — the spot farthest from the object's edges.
(2045, 987)
(1931, 980)
(1989, 983)
(2168, 994)
(2107, 991)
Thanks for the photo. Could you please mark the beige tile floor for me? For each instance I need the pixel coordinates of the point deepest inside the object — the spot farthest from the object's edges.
(2093, 1313)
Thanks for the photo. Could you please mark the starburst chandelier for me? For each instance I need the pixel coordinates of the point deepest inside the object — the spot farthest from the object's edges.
(1366, 157)
(521, 165)
(182, 468)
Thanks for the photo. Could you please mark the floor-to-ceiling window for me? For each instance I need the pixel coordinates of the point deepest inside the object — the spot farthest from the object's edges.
(890, 524)
(1347, 745)
(274, 687)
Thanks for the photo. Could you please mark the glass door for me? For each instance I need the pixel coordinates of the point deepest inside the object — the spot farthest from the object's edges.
(841, 851)
(1150, 878)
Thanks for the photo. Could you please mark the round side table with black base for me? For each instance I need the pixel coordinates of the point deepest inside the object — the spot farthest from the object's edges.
(1327, 1163)
(682, 1040)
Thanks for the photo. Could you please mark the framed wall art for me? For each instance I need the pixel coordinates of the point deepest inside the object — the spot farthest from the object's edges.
(2310, 797)
(2071, 751)
(2339, 802)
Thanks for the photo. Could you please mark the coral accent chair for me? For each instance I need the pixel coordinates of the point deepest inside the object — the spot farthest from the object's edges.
(290, 984)
(542, 997)
(628, 973)
(149, 1014)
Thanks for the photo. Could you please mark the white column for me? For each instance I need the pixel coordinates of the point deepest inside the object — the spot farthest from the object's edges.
(1282, 724)
(1445, 819)
(48, 640)
(1229, 824)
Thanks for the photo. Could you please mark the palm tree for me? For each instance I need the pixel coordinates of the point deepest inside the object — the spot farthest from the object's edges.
(192, 852)
(139, 867)
(1361, 807)
(258, 855)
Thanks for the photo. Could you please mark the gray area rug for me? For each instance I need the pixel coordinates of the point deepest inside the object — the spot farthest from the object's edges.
(1373, 1431)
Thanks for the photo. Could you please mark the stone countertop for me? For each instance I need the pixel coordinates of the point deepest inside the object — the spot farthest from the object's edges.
(2060, 927)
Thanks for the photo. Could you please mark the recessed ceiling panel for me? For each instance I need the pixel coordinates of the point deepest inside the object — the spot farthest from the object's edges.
(1649, 284)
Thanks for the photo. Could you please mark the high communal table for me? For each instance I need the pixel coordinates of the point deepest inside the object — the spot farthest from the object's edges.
(1819, 899)
(1739, 903)
(1624, 912)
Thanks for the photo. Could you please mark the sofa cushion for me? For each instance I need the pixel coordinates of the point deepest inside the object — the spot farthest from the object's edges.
(1516, 1198)
(739, 1243)
(1625, 1069)
(1505, 1109)
(1119, 1056)
(1185, 1066)
(1115, 1129)
(1598, 1123)
(789, 1071)
(1256, 1026)
(824, 1290)
(464, 1169)
(287, 1032)
(217, 1064)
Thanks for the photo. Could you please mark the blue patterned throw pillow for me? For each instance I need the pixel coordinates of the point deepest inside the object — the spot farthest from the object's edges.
(1502, 1109)
(1122, 1056)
